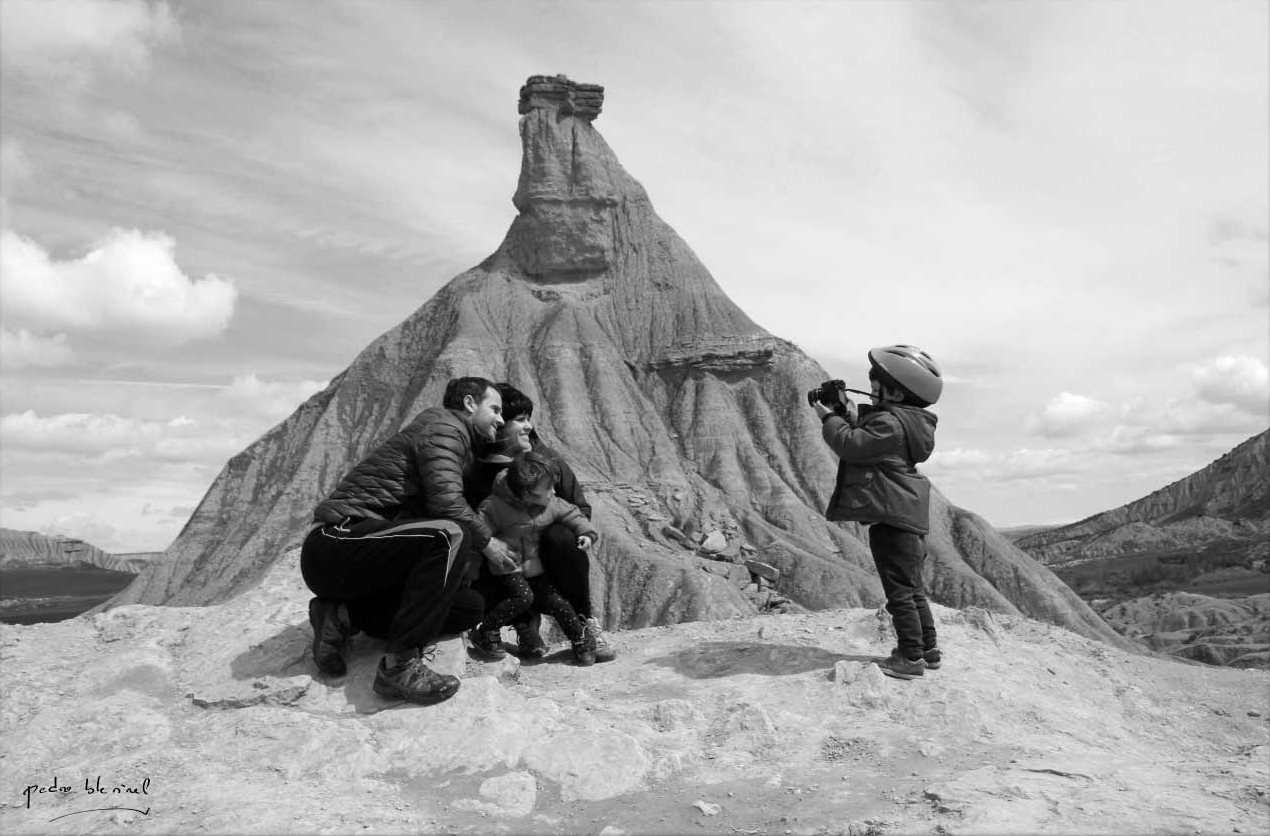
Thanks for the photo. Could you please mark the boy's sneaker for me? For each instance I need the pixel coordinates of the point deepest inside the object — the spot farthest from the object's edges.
(487, 643)
(528, 640)
(931, 657)
(411, 680)
(900, 668)
(584, 651)
(604, 651)
(331, 631)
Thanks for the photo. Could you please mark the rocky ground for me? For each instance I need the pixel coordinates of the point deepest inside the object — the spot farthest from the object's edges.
(213, 720)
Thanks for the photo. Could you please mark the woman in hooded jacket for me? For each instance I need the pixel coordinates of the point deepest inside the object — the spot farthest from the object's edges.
(567, 566)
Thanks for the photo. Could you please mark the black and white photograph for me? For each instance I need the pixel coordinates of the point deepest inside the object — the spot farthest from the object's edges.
(623, 417)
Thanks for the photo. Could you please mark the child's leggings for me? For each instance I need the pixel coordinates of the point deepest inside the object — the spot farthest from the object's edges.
(520, 593)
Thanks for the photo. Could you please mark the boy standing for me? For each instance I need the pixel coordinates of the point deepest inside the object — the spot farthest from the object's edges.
(878, 484)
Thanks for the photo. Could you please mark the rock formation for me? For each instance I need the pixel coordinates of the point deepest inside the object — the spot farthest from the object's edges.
(672, 405)
(29, 548)
(1228, 502)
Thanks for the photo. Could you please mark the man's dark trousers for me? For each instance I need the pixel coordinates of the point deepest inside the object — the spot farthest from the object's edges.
(899, 556)
(402, 580)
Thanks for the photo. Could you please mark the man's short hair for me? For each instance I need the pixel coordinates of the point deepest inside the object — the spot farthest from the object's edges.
(515, 402)
(460, 387)
(526, 471)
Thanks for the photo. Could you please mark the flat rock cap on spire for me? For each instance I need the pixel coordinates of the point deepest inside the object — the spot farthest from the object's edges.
(557, 92)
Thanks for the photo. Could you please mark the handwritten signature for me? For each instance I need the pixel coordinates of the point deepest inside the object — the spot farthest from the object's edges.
(92, 787)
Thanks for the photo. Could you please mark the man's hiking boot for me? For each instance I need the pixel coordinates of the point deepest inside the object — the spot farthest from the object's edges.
(584, 651)
(604, 651)
(898, 667)
(411, 680)
(331, 631)
(529, 641)
(931, 657)
(487, 642)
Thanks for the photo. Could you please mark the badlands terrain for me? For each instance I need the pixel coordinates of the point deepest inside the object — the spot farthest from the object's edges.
(189, 703)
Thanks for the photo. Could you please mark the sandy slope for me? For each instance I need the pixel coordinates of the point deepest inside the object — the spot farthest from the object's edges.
(772, 724)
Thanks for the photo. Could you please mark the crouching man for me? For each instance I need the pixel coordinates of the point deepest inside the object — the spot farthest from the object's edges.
(390, 550)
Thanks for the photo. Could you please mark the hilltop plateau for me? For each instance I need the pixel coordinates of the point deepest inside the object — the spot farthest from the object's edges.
(761, 724)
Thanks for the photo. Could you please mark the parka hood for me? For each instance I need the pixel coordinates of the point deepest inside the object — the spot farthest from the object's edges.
(504, 493)
(919, 430)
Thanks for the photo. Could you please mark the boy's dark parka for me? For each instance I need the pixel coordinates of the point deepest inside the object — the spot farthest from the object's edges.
(878, 481)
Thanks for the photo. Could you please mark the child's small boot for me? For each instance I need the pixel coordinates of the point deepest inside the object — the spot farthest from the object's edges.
(529, 641)
(487, 643)
(584, 650)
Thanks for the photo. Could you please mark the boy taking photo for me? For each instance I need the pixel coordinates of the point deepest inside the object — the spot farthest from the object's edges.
(878, 484)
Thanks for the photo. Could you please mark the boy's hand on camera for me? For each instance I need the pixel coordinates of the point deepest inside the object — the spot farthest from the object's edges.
(822, 410)
(584, 542)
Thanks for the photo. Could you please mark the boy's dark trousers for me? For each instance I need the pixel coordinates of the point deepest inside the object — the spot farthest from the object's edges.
(899, 556)
(401, 580)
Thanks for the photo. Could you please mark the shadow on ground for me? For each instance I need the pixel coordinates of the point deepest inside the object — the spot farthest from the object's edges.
(284, 654)
(716, 659)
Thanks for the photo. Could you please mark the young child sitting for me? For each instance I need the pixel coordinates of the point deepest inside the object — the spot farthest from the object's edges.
(523, 503)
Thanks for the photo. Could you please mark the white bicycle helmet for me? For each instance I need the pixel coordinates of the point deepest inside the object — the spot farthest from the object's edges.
(909, 369)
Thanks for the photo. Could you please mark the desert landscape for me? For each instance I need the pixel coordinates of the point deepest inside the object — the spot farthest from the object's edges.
(195, 703)
(243, 244)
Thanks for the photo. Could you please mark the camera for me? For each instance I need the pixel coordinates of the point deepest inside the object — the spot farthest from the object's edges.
(827, 394)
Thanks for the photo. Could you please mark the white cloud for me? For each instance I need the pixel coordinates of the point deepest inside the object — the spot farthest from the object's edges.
(1241, 381)
(21, 349)
(273, 400)
(109, 437)
(129, 284)
(1002, 466)
(82, 525)
(67, 37)
(1065, 416)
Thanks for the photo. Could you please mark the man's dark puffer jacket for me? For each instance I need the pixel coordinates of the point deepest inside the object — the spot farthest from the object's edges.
(419, 473)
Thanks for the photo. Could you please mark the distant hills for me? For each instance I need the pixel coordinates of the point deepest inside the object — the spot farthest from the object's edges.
(1225, 504)
(1184, 570)
(27, 549)
(47, 579)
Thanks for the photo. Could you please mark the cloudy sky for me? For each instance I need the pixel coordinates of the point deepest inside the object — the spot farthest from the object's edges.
(209, 208)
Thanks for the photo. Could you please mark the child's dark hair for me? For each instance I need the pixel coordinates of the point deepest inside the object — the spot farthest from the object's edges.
(907, 398)
(526, 471)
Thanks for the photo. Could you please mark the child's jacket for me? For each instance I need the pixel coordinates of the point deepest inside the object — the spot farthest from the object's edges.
(878, 481)
(520, 525)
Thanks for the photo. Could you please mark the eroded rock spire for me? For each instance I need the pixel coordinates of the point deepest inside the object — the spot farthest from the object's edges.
(559, 93)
